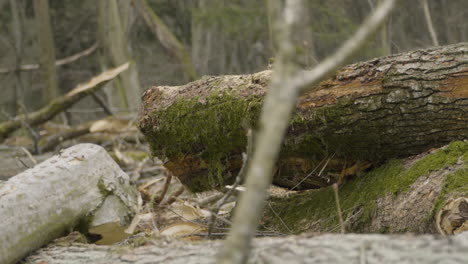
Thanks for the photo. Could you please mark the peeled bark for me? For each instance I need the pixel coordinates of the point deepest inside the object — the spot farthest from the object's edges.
(48, 200)
(369, 112)
(303, 249)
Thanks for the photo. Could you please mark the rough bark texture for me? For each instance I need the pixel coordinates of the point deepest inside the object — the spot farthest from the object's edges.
(304, 249)
(400, 196)
(43, 202)
(385, 108)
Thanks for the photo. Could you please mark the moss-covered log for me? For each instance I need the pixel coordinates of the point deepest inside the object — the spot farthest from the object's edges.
(401, 196)
(368, 112)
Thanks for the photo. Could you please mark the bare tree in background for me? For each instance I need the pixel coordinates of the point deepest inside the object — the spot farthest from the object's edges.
(287, 83)
(46, 51)
(115, 51)
(385, 42)
(167, 39)
(17, 31)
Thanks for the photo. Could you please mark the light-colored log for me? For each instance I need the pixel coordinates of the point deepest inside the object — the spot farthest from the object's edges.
(48, 200)
(346, 249)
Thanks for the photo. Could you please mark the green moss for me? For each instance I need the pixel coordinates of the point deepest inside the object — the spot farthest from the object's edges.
(211, 129)
(455, 184)
(361, 194)
(102, 188)
(137, 155)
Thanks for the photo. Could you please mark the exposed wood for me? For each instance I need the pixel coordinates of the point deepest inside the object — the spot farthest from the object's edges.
(339, 249)
(61, 103)
(389, 107)
(43, 202)
(168, 40)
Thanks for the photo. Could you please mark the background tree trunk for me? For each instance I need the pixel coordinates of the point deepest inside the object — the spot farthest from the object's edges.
(170, 42)
(17, 31)
(115, 50)
(47, 51)
(372, 111)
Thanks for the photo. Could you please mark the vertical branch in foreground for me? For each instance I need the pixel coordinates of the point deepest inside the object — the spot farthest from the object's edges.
(46, 50)
(286, 84)
(430, 25)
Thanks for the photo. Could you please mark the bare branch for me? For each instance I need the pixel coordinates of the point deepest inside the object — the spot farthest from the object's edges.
(60, 62)
(61, 103)
(286, 84)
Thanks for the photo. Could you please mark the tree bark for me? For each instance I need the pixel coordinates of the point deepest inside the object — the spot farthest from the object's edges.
(42, 203)
(304, 249)
(368, 112)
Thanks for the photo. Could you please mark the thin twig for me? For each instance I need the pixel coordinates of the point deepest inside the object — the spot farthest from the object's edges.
(174, 196)
(22, 162)
(240, 176)
(338, 208)
(279, 218)
(34, 161)
(158, 200)
(287, 83)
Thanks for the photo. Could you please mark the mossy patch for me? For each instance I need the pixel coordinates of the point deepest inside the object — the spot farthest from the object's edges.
(210, 129)
(315, 209)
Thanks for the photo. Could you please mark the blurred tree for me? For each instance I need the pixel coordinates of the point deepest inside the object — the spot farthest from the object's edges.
(115, 50)
(17, 31)
(46, 51)
(167, 38)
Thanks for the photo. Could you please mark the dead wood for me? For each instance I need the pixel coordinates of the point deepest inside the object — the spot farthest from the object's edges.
(48, 200)
(368, 112)
(61, 103)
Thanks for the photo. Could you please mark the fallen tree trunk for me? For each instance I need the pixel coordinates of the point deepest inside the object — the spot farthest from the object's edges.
(303, 249)
(368, 112)
(48, 200)
(423, 194)
(61, 103)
